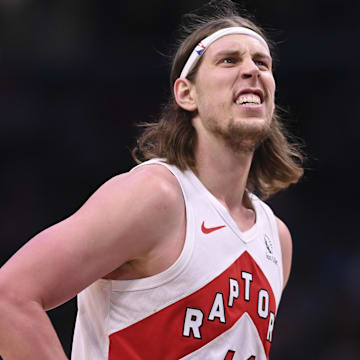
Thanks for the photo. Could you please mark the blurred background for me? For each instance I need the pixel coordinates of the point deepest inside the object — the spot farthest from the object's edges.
(75, 76)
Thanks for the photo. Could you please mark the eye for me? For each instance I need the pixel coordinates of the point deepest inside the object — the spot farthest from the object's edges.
(262, 64)
(229, 60)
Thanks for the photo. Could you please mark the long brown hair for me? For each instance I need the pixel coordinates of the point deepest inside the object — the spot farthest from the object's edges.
(277, 161)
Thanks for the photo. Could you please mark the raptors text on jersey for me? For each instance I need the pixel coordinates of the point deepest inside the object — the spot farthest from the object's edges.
(191, 323)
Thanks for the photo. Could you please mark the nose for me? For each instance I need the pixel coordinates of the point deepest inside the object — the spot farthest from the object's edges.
(249, 69)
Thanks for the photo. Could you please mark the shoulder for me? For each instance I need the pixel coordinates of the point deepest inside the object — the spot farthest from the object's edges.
(130, 217)
(150, 184)
(147, 200)
(286, 248)
(159, 176)
(147, 183)
(284, 233)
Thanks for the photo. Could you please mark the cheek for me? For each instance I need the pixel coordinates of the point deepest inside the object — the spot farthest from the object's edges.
(271, 88)
(271, 85)
(206, 97)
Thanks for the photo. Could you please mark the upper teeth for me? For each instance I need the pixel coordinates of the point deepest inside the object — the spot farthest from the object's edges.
(248, 98)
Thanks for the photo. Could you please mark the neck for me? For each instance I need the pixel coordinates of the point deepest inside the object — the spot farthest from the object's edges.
(223, 172)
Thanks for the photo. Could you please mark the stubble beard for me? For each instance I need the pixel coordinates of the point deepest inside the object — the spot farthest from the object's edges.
(241, 136)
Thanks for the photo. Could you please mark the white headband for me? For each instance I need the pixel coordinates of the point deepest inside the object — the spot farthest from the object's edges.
(203, 45)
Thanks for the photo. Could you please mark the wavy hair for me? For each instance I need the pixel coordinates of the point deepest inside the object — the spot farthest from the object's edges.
(277, 161)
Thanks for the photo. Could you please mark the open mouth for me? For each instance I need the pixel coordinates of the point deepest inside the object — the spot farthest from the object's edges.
(248, 99)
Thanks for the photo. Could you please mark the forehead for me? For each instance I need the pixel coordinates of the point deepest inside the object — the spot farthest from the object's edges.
(238, 42)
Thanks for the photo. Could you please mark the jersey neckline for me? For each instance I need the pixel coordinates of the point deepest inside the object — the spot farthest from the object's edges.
(245, 236)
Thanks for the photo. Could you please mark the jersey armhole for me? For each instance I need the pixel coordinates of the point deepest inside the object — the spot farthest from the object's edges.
(182, 261)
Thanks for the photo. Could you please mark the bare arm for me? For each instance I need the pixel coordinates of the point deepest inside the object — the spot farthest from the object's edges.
(111, 228)
(286, 249)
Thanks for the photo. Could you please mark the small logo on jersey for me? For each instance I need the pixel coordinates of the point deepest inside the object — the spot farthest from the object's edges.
(269, 249)
(268, 244)
(206, 230)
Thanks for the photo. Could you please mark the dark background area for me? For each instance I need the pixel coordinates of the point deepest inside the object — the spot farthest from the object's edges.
(76, 75)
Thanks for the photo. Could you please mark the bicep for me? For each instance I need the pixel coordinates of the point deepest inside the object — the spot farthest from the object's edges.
(111, 228)
(286, 249)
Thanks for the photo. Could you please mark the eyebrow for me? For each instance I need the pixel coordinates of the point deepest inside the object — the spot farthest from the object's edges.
(262, 55)
(222, 53)
(238, 53)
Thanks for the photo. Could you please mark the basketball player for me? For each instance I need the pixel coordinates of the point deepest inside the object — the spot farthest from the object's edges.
(178, 258)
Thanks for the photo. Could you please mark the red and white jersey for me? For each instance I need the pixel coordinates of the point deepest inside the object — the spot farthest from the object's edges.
(216, 302)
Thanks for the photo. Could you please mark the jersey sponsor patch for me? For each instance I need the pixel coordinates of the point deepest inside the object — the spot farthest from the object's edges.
(194, 321)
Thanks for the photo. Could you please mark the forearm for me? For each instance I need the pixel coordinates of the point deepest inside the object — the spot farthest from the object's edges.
(26, 332)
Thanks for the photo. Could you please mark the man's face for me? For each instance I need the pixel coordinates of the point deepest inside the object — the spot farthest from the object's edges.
(234, 91)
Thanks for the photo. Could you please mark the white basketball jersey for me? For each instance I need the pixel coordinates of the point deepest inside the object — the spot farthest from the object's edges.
(216, 302)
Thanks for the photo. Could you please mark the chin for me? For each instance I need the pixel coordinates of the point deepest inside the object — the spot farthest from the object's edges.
(250, 124)
(246, 135)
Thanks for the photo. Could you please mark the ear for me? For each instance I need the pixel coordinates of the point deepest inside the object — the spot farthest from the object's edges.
(184, 92)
